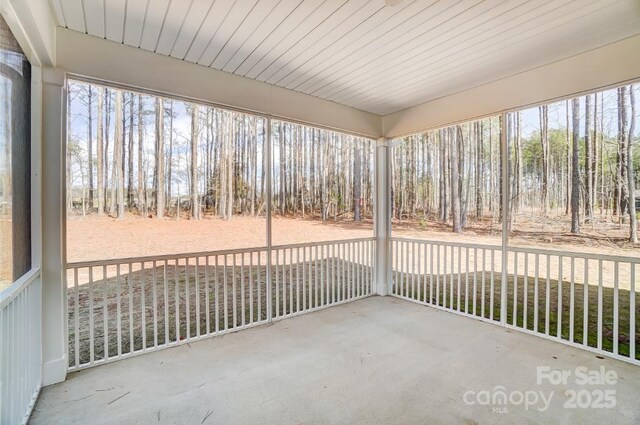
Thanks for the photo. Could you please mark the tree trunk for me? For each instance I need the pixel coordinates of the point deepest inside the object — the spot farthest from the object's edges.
(141, 195)
(633, 225)
(118, 151)
(455, 178)
(195, 132)
(357, 181)
(90, 144)
(588, 159)
(100, 154)
(159, 158)
(575, 186)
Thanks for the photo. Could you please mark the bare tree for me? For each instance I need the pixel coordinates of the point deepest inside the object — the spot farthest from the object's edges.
(159, 177)
(633, 224)
(575, 186)
(101, 153)
(195, 133)
(118, 150)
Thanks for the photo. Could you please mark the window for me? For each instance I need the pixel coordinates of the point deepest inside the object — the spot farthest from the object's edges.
(15, 159)
(322, 185)
(447, 182)
(148, 175)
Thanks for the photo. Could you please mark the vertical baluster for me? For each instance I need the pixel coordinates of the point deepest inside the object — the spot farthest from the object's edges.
(216, 293)
(334, 265)
(475, 280)
(234, 291)
(548, 297)
(572, 299)
(419, 272)
(515, 289)
(525, 291)
(176, 296)
(225, 293)
(105, 314)
(207, 296)
(438, 273)
(155, 305)
(259, 285)
(413, 270)
(243, 305)
(536, 288)
(304, 278)
(130, 283)
(615, 308)
(322, 275)
(405, 279)
(196, 274)
(452, 278)
(599, 304)
(431, 273)
(143, 307)
(632, 312)
(91, 318)
(165, 299)
(76, 317)
(277, 284)
(251, 286)
(459, 275)
(316, 275)
(444, 276)
(298, 279)
(466, 283)
(290, 280)
(585, 304)
(492, 294)
(118, 310)
(560, 281)
(187, 298)
(483, 282)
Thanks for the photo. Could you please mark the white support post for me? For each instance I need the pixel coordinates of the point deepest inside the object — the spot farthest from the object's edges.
(504, 149)
(382, 217)
(54, 305)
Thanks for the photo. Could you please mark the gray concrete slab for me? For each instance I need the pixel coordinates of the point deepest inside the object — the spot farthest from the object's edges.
(378, 360)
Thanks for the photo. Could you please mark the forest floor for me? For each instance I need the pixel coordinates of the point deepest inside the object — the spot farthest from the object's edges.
(136, 237)
(109, 238)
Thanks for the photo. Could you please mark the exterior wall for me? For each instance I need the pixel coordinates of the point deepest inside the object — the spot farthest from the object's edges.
(596, 69)
(102, 59)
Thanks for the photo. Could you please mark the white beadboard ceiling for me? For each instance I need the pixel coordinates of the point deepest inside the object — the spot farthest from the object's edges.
(360, 53)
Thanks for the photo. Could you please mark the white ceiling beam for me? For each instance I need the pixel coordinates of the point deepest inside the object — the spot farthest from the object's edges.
(600, 68)
(114, 62)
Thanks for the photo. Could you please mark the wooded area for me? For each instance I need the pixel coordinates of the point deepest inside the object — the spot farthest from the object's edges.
(575, 159)
(130, 153)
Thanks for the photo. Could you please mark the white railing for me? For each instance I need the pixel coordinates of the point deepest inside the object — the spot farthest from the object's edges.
(585, 300)
(124, 307)
(20, 348)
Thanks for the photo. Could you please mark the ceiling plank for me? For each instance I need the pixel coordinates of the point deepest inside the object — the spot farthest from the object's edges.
(73, 13)
(115, 19)
(154, 20)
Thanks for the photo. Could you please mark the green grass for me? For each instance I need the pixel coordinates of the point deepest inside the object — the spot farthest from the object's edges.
(557, 313)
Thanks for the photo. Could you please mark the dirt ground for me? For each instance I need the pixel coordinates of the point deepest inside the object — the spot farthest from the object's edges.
(100, 238)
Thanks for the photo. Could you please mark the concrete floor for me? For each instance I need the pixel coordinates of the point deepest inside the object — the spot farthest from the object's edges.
(377, 360)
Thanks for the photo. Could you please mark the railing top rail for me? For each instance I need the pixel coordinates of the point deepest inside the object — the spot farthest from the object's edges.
(587, 255)
(182, 256)
(10, 293)
(527, 250)
(450, 243)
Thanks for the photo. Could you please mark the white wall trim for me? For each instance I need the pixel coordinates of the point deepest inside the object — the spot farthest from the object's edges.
(115, 63)
(601, 68)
